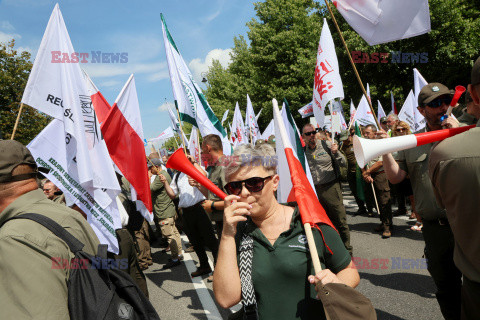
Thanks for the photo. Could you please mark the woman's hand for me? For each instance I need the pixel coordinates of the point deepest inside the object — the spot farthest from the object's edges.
(325, 276)
(233, 213)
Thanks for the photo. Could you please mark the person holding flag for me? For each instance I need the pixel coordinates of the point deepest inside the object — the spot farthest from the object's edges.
(274, 233)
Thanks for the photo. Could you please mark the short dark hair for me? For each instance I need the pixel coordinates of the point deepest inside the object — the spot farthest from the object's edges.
(213, 141)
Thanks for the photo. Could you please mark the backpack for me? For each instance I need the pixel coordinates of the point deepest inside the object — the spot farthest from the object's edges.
(97, 288)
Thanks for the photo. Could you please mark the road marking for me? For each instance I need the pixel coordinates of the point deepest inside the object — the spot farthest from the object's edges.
(208, 305)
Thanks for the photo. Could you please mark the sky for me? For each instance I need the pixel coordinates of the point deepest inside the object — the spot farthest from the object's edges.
(202, 30)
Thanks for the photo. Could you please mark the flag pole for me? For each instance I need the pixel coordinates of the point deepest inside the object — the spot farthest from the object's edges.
(16, 121)
(353, 63)
(181, 130)
(199, 147)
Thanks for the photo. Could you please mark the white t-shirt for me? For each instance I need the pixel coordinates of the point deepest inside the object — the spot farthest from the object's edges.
(188, 195)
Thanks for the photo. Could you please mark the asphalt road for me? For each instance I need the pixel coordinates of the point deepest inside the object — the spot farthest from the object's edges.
(393, 275)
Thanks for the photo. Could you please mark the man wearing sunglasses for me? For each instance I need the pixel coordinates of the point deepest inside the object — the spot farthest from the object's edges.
(455, 174)
(324, 161)
(433, 102)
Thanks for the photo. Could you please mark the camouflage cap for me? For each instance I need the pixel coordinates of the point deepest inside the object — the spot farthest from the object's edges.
(432, 91)
(13, 154)
(476, 73)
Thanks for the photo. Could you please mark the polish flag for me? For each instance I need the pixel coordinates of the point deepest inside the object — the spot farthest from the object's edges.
(394, 105)
(122, 131)
(311, 211)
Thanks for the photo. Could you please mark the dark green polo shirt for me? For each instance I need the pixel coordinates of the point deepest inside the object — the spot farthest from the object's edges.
(280, 272)
(163, 206)
(216, 174)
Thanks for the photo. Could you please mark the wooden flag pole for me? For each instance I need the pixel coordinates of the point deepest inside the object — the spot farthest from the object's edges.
(17, 121)
(181, 131)
(353, 63)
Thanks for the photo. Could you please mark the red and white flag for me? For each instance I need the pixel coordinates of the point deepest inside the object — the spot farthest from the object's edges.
(251, 122)
(306, 110)
(327, 82)
(379, 21)
(238, 127)
(394, 105)
(311, 211)
(123, 133)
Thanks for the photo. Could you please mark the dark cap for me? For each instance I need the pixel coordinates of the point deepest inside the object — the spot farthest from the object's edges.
(383, 120)
(343, 135)
(13, 154)
(432, 91)
(476, 72)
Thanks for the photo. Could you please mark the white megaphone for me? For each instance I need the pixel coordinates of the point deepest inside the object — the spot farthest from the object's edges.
(367, 149)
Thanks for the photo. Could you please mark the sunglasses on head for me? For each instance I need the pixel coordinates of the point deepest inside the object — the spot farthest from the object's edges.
(401, 129)
(254, 184)
(439, 102)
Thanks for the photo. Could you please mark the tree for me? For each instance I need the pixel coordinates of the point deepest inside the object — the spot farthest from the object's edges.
(14, 70)
(278, 58)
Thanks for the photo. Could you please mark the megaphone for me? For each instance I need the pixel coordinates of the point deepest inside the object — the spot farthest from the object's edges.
(178, 161)
(459, 90)
(367, 149)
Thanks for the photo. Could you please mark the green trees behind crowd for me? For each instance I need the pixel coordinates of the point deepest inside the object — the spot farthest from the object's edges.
(14, 70)
(278, 58)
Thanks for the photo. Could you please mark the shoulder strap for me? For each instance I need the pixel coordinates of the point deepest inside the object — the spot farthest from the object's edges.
(248, 293)
(73, 243)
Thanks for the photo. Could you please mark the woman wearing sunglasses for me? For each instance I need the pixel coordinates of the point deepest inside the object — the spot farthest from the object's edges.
(281, 262)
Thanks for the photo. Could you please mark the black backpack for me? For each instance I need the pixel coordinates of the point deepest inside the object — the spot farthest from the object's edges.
(97, 289)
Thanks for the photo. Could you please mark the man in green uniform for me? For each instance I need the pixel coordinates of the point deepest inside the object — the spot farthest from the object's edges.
(164, 209)
(324, 161)
(53, 193)
(374, 174)
(347, 149)
(471, 113)
(30, 287)
(433, 102)
(455, 172)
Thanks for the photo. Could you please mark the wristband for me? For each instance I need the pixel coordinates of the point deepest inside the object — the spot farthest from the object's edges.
(212, 206)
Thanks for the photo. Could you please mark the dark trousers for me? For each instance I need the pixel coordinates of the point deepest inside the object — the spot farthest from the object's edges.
(201, 233)
(439, 246)
(352, 183)
(330, 197)
(382, 192)
(470, 299)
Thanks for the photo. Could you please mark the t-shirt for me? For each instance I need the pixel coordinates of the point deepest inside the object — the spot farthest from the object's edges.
(216, 174)
(188, 195)
(163, 206)
(280, 271)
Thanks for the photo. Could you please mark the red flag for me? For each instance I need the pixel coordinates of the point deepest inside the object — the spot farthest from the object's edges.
(127, 151)
(394, 105)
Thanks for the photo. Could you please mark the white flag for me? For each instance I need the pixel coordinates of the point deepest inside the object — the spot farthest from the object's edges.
(225, 116)
(192, 104)
(237, 126)
(364, 115)
(71, 146)
(251, 122)
(381, 112)
(270, 130)
(166, 134)
(352, 112)
(336, 107)
(407, 112)
(193, 146)
(174, 120)
(327, 82)
(258, 115)
(418, 82)
(379, 21)
(306, 110)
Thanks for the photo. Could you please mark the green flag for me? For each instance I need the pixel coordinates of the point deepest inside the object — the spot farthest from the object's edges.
(358, 172)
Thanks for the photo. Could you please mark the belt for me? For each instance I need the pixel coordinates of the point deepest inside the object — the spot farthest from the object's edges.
(438, 221)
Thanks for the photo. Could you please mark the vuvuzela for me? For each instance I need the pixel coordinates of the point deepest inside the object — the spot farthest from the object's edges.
(368, 149)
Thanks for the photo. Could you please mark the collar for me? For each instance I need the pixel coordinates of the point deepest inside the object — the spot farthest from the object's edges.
(18, 206)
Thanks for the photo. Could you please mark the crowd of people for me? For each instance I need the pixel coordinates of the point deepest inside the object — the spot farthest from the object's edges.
(257, 243)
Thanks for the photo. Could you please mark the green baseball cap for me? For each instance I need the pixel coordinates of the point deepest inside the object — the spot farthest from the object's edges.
(13, 154)
(432, 91)
(476, 72)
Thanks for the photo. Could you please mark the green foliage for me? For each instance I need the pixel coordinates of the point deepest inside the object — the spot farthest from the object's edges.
(278, 59)
(14, 70)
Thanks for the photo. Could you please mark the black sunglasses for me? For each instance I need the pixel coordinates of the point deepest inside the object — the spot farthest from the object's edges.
(439, 102)
(254, 184)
